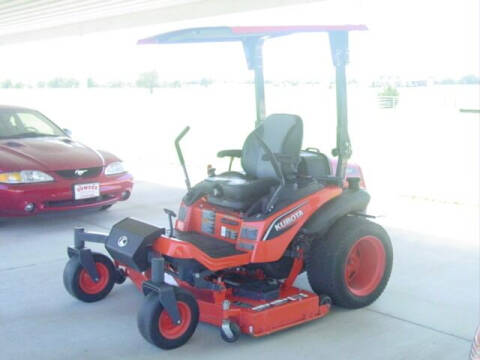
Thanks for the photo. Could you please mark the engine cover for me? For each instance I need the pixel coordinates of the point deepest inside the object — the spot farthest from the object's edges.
(129, 242)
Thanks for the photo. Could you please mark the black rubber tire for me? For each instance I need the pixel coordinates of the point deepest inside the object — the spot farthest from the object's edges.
(236, 332)
(71, 278)
(149, 314)
(120, 276)
(327, 260)
(279, 269)
(105, 207)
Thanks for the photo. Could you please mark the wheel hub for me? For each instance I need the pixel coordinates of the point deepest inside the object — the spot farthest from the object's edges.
(170, 329)
(88, 285)
(365, 265)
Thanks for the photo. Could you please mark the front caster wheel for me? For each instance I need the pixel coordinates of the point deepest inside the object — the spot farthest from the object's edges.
(230, 331)
(81, 286)
(157, 327)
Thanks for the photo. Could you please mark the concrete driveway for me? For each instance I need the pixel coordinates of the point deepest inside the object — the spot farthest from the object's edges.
(428, 311)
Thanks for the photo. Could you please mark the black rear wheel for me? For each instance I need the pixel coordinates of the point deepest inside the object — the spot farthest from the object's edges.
(353, 264)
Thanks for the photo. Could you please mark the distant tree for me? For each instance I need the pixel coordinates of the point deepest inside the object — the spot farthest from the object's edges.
(206, 82)
(470, 79)
(116, 84)
(148, 80)
(60, 82)
(447, 81)
(291, 82)
(175, 84)
(91, 83)
(41, 84)
(389, 91)
(19, 85)
(6, 84)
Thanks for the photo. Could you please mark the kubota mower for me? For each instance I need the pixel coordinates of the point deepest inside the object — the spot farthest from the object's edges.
(241, 238)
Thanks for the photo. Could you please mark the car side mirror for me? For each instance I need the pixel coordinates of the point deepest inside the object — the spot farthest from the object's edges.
(68, 132)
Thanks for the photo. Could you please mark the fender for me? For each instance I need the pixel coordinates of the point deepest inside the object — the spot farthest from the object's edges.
(349, 201)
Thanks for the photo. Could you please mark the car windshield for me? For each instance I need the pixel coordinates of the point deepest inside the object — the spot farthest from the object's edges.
(20, 123)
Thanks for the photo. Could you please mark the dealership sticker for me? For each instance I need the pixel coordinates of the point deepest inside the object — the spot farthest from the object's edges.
(86, 191)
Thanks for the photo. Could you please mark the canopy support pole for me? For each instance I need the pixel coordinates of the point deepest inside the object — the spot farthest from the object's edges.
(253, 48)
(339, 50)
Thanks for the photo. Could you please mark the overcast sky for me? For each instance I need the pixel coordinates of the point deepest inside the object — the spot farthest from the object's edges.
(406, 38)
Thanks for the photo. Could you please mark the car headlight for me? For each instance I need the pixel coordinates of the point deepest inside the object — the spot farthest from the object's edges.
(115, 168)
(25, 177)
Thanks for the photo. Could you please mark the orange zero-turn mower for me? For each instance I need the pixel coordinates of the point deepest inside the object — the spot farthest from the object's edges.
(241, 238)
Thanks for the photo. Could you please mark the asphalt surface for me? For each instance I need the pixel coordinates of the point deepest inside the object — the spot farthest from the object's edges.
(429, 310)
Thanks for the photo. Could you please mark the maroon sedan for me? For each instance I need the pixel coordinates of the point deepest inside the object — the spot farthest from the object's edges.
(42, 169)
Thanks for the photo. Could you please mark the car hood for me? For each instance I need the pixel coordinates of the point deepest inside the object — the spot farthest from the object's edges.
(47, 154)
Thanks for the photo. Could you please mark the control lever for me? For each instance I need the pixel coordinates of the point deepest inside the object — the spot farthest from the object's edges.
(171, 215)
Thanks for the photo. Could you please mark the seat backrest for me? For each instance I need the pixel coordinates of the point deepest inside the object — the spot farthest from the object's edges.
(283, 134)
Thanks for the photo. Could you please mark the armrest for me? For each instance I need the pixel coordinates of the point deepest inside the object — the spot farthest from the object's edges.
(230, 153)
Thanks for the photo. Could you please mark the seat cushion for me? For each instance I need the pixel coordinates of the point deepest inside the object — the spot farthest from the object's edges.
(237, 192)
(280, 134)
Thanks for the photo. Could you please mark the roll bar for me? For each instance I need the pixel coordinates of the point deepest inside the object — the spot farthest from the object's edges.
(253, 47)
(252, 38)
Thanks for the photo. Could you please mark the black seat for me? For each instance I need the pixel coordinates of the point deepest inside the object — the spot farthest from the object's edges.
(283, 134)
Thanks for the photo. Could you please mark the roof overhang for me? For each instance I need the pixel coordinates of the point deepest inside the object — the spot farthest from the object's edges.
(33, 20)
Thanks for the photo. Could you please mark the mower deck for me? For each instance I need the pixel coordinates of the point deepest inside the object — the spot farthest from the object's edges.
(262, 313)
(256, 304)
(258, 317)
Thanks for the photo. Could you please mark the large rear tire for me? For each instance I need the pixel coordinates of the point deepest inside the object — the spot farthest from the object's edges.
(353, 264)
